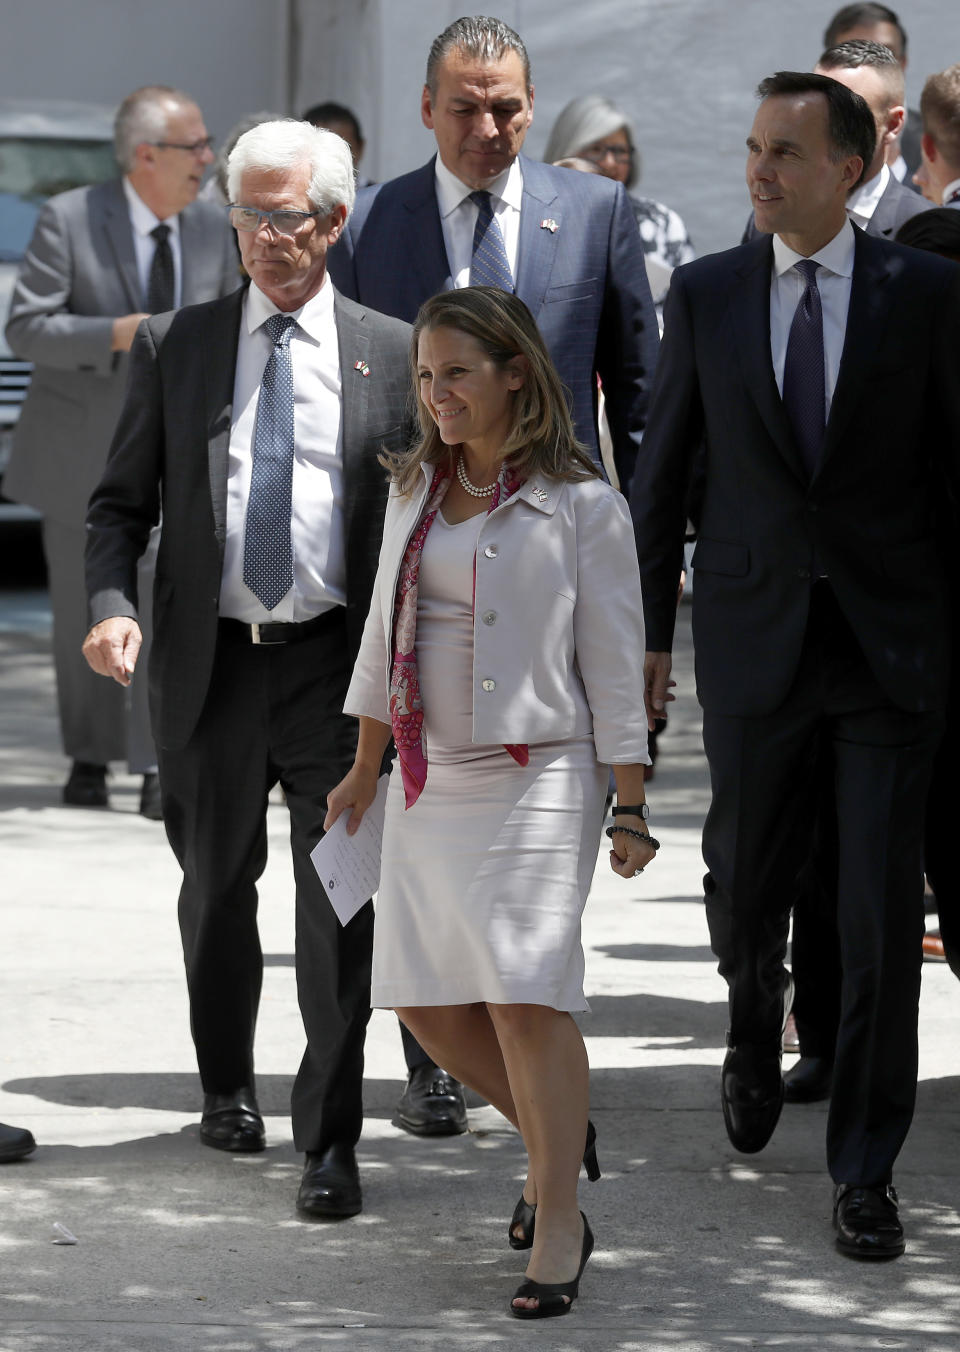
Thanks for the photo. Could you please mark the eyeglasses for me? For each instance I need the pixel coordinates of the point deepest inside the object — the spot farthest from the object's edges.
(595, 154)
(195, 147)
(283, 222)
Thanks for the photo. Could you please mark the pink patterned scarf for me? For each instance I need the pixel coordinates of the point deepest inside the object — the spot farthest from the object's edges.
(406, 703)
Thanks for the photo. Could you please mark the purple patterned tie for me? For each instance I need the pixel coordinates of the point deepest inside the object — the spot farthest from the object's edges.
(804, 395)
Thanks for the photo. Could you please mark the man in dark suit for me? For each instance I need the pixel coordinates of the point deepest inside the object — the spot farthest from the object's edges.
(255, 422)
(100, 258)
(566, 243)
(820, 607)
(879, 204)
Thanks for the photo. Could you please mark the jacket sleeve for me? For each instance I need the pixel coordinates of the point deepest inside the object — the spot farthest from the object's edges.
(125, 505)
(660, 489)
(367, 695)
(41, 327)
(608, 630)
(627, 339)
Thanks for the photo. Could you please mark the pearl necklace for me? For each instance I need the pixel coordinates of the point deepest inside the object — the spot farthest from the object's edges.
(467, 486)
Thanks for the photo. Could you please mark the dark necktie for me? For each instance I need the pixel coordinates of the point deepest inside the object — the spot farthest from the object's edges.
(804, 395)
(267, 549)
(490, 266)
(160, 282)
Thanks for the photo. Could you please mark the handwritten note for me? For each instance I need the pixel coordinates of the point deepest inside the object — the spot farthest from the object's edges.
(349, 866)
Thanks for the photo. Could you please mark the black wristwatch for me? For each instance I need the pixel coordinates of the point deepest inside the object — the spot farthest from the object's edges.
(640, 810)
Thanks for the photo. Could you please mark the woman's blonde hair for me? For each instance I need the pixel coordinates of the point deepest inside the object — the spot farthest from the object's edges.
(542, 439)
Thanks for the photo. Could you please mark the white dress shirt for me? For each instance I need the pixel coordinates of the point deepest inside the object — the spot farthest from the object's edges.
(458, 217)
(319, 566)
(949, 190)
(833, 281)
(143, 221)
(862, 202)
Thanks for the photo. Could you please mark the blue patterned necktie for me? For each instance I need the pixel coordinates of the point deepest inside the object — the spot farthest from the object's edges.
(267, 549)
(804, 395)
(490, 265)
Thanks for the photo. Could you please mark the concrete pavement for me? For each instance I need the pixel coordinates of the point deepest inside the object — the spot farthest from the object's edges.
(180, 1247)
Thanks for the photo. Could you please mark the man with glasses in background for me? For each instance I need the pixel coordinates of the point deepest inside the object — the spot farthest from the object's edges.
(101, 259)
(256, 422)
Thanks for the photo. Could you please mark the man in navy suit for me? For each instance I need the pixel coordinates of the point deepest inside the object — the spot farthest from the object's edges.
(821, 608)
(570, 240)
(566, 243)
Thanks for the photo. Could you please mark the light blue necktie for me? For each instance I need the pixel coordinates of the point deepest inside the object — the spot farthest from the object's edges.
(490, 266)
(267, 549)
(804, 395)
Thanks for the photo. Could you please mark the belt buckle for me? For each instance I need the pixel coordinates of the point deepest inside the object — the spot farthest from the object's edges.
(254, 633)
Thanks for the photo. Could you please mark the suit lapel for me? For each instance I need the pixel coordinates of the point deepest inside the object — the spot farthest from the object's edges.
(119, 232)
(869, 301)
(354, 343)
(428, 261)
(750, 311)
(219, 370)
(538, 245)
(883, 220)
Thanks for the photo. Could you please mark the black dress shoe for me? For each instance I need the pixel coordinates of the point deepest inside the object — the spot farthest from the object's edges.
(15, 1143)
(232, 1122)
(330, 1187)
(150, 806)
(867, 1221)
(809, 1081)
(751, 1093)
(432, 1103)
(86, 786)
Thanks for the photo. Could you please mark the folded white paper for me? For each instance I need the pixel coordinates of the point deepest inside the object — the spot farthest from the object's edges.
(349, 866)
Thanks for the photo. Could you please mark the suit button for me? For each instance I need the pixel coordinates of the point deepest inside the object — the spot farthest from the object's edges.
(803, 572)
(489, 617)
(491, 551)
(488, 685)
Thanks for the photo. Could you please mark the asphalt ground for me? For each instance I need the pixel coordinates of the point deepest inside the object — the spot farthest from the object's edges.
(181, 1247)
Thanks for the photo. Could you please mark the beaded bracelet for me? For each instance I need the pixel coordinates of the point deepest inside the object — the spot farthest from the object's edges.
(640, 835)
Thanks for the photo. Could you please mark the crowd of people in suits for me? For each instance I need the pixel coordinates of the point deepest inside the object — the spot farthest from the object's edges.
(246, 355)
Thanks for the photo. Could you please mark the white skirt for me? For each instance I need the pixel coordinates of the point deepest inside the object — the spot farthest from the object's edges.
(484, 879)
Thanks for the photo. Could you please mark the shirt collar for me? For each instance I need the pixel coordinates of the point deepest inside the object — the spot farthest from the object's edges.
(142, 218)
(836, 257)
(863, 201)
(315, 317)
(452, 191)
(949, 190)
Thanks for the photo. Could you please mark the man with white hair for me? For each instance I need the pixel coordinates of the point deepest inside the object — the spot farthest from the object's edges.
(101, 259)
(255, 422)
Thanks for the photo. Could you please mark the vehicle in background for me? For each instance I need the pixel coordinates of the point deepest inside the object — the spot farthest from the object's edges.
(46, 147)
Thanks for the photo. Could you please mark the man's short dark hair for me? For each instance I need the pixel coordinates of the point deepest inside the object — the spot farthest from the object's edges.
(851, 129)
(856, 16)
(860, 52)
(480, 37)
(321, 114)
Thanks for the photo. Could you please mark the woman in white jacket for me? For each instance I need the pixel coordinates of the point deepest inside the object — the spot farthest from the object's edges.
(504, 647)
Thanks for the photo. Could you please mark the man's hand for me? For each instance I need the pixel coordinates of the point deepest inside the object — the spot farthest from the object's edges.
(656, 686)
(112, 647)
(124, 331)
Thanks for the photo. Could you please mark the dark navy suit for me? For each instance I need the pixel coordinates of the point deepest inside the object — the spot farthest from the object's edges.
(580, 271)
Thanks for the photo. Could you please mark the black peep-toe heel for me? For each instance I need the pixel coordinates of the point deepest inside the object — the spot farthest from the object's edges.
(550, 1295)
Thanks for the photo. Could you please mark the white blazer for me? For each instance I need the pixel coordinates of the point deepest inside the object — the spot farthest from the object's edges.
(558, 640)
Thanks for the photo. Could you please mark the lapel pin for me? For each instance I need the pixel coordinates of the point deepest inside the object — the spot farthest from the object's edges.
(362, 367)
(539, 494)
(549, 224)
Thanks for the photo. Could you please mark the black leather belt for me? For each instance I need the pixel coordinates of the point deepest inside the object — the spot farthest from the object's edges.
(274, 633)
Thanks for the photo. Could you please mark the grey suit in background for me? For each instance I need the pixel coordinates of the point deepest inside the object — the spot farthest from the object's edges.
(79, 273)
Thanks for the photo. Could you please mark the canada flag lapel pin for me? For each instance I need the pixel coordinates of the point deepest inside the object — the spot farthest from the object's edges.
(548, 223)
(361, 366)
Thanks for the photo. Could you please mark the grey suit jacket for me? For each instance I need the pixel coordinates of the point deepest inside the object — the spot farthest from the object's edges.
(171, 450)
(79, 274)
